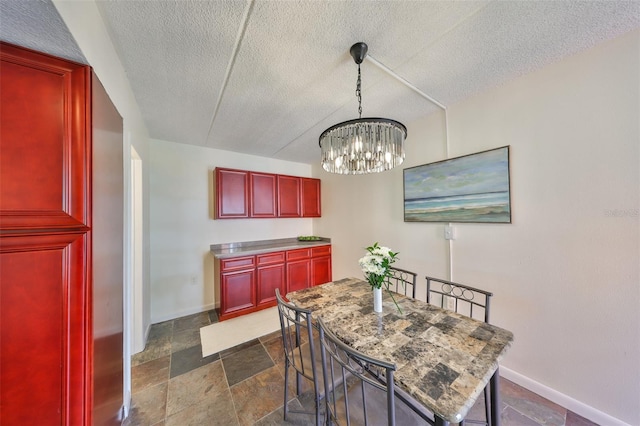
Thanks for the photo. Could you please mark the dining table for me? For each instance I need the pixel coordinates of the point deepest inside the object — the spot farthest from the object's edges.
(444, 360)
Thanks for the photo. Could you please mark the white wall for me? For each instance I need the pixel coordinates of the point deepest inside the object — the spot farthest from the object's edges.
(565, 273)
(183, 228)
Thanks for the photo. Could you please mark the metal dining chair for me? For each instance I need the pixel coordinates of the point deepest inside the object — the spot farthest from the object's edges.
(468, 301)
(402, 281)
(300, 354)
(353, 393)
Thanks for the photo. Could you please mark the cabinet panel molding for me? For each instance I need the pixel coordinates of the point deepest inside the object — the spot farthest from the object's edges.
(232, 193)
(310, 197)
(263, 190)
(45, 104)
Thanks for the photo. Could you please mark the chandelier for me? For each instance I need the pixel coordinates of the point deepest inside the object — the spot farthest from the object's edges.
(363, 145)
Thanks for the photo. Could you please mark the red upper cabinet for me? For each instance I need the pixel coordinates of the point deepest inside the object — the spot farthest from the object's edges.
(310, 197)
(232, 193)
(247, 194)
(262, 190)
(289, 196)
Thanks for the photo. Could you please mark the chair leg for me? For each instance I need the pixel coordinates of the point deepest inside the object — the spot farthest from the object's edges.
(487, 405)
(286, 388)
(318, 422)
(494, 394)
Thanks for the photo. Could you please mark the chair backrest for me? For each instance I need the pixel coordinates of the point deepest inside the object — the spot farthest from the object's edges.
(297, 338)
(403, 281)
(353, 395)
(460, 298)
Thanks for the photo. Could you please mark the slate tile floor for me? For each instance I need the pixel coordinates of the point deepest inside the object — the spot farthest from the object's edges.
(173, 385)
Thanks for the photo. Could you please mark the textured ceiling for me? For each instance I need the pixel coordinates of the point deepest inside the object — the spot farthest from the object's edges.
(267, 77)
(38, 26)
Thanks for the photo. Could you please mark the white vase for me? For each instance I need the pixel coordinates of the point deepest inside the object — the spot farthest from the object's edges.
(377, 300)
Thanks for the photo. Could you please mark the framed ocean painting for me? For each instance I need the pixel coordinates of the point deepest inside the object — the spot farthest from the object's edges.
(472, 188)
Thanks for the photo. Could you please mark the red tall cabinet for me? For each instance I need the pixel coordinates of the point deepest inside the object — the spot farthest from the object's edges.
(61, 243)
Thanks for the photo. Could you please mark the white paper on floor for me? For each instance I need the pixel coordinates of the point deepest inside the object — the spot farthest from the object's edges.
(227, 334)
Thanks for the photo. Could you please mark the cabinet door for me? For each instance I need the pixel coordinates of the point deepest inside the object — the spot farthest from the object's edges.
(237, 291)
(298, 274)
(269, 278)
(44, 320)
(270, 275)
(320, 270)
(232, 193)
(45, 243)
(288, 196)
(262, 188)
(320, 264)
(310, 197)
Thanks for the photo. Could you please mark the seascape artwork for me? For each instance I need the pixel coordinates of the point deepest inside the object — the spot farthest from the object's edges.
(472, 188)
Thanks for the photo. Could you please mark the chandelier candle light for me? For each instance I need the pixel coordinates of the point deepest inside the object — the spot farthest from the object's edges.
(363, 145)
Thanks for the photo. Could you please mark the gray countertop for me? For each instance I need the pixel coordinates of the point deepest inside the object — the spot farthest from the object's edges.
(248, 248)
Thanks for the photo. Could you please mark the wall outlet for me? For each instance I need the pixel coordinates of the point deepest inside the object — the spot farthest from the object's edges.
(449, 233)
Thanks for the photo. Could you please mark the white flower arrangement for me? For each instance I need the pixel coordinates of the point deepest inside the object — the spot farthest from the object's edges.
(376, 266)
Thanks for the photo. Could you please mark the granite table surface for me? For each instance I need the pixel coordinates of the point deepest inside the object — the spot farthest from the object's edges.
(444, 360)
(249, 248)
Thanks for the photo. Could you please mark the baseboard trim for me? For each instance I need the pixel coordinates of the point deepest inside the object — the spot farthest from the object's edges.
(559, 398)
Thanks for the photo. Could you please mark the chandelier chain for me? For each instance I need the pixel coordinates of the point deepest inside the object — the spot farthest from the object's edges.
(359, 93)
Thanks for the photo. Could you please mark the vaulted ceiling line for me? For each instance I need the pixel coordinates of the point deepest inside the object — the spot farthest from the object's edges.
(236, 48)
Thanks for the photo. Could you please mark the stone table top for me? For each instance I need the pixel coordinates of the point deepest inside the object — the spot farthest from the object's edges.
(444, 360)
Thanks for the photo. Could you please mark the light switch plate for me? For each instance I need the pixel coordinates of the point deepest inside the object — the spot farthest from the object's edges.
(449, 233)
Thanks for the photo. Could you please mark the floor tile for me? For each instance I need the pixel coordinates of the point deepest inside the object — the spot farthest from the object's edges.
(245, 363)
(173, 385)
(189, 359)
(185, 339)
(258, 396)
(225, 353)
(267, 337)
(191, 322)
(162, 329)
(531, 405)
(574, 419)
(215, 410)
(195, 386)
(148, 406)
(276, 418)
(511, 417)
(155, 349)
(150, 373)
(275, 350)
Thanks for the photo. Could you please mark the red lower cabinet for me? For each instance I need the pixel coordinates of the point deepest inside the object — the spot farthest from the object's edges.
(238, 290)
(271, 276)
(247, 284)
(298, 269)
(320, 265)
(237, 286)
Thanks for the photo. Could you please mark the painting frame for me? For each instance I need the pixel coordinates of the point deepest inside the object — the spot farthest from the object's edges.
(472, 188)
